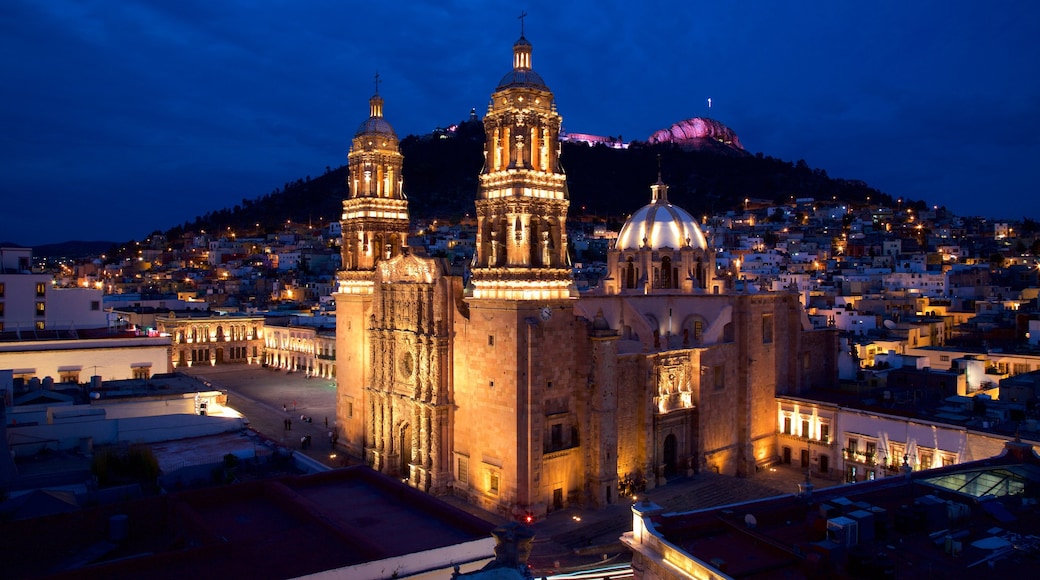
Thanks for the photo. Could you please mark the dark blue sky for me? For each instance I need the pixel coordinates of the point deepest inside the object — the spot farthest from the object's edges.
(122, 117)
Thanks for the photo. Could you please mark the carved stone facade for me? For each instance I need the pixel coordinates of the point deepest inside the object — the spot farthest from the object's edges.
(522, 397)
(210, 339)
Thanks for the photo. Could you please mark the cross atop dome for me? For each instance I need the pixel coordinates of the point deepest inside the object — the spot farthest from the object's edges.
(376, 102)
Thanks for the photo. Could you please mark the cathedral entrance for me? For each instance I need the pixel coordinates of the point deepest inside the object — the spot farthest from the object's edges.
(670, 455)
(405, 445)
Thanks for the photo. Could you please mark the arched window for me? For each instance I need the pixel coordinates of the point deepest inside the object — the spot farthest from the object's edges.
(630, 273)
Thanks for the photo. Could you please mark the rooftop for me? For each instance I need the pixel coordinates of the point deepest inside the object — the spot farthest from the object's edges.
(981, 515)
(278, 528)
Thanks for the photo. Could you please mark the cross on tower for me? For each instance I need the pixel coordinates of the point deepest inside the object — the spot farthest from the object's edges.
(377, 83)
(522, 16)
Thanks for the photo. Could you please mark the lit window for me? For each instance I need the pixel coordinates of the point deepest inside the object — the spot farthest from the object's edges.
(39, 325)
(462, 474)
(41, 288)
(41, 308)
(493, 483)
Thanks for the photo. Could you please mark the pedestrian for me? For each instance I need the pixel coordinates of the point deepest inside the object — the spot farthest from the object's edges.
(326, 422)
(284, 408)
(289, 424)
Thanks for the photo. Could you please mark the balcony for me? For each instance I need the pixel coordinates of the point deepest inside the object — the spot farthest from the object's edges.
(800, 441)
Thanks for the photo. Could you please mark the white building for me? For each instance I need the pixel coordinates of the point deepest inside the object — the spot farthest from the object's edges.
(864, 445)
(31, 302)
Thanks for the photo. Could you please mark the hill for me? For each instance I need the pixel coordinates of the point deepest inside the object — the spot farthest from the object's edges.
(440, 175)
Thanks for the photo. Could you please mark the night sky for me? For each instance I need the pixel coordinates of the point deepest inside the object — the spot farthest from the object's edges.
(120, 117)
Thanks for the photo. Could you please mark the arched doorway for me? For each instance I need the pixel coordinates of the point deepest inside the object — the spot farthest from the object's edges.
(670, 455)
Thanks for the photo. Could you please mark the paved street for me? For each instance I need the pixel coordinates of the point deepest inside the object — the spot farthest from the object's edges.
(259, 393)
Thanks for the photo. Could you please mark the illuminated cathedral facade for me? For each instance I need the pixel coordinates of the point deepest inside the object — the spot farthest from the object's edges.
(512, 390)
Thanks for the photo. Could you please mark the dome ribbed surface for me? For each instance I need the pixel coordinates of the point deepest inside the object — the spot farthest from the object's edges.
(661, 225)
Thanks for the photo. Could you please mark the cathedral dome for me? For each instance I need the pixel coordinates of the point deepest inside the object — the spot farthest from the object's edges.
(660, 224)
(377, 125)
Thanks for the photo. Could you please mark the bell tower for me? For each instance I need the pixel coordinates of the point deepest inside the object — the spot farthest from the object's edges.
(375, 216)
(516, 357)
(375, 229)
(522, 199)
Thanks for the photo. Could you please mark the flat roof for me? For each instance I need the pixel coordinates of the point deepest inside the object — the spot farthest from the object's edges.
(902, 525)
(277, 528)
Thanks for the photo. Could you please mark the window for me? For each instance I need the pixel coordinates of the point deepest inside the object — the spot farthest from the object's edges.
(787, 425)
(95, 305)
(805, 428)
(41, 288)
(1, 309)
(41, 308)
(491, 384)
(68, 376)
(853, 445)
(548, 384)
(462, 474)
(556, 437)
(491, 340)
(350, 409)
(2, 289)
(40, 325)
(944, 358)
(719, 373)
(493, 483)
(825, 433)
(142, 373)
(767, 328)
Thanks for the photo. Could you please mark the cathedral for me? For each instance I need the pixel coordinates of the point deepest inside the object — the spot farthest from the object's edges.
(513, 391)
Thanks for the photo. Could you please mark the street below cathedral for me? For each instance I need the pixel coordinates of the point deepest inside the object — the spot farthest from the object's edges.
(566, 540)
(259, 393)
